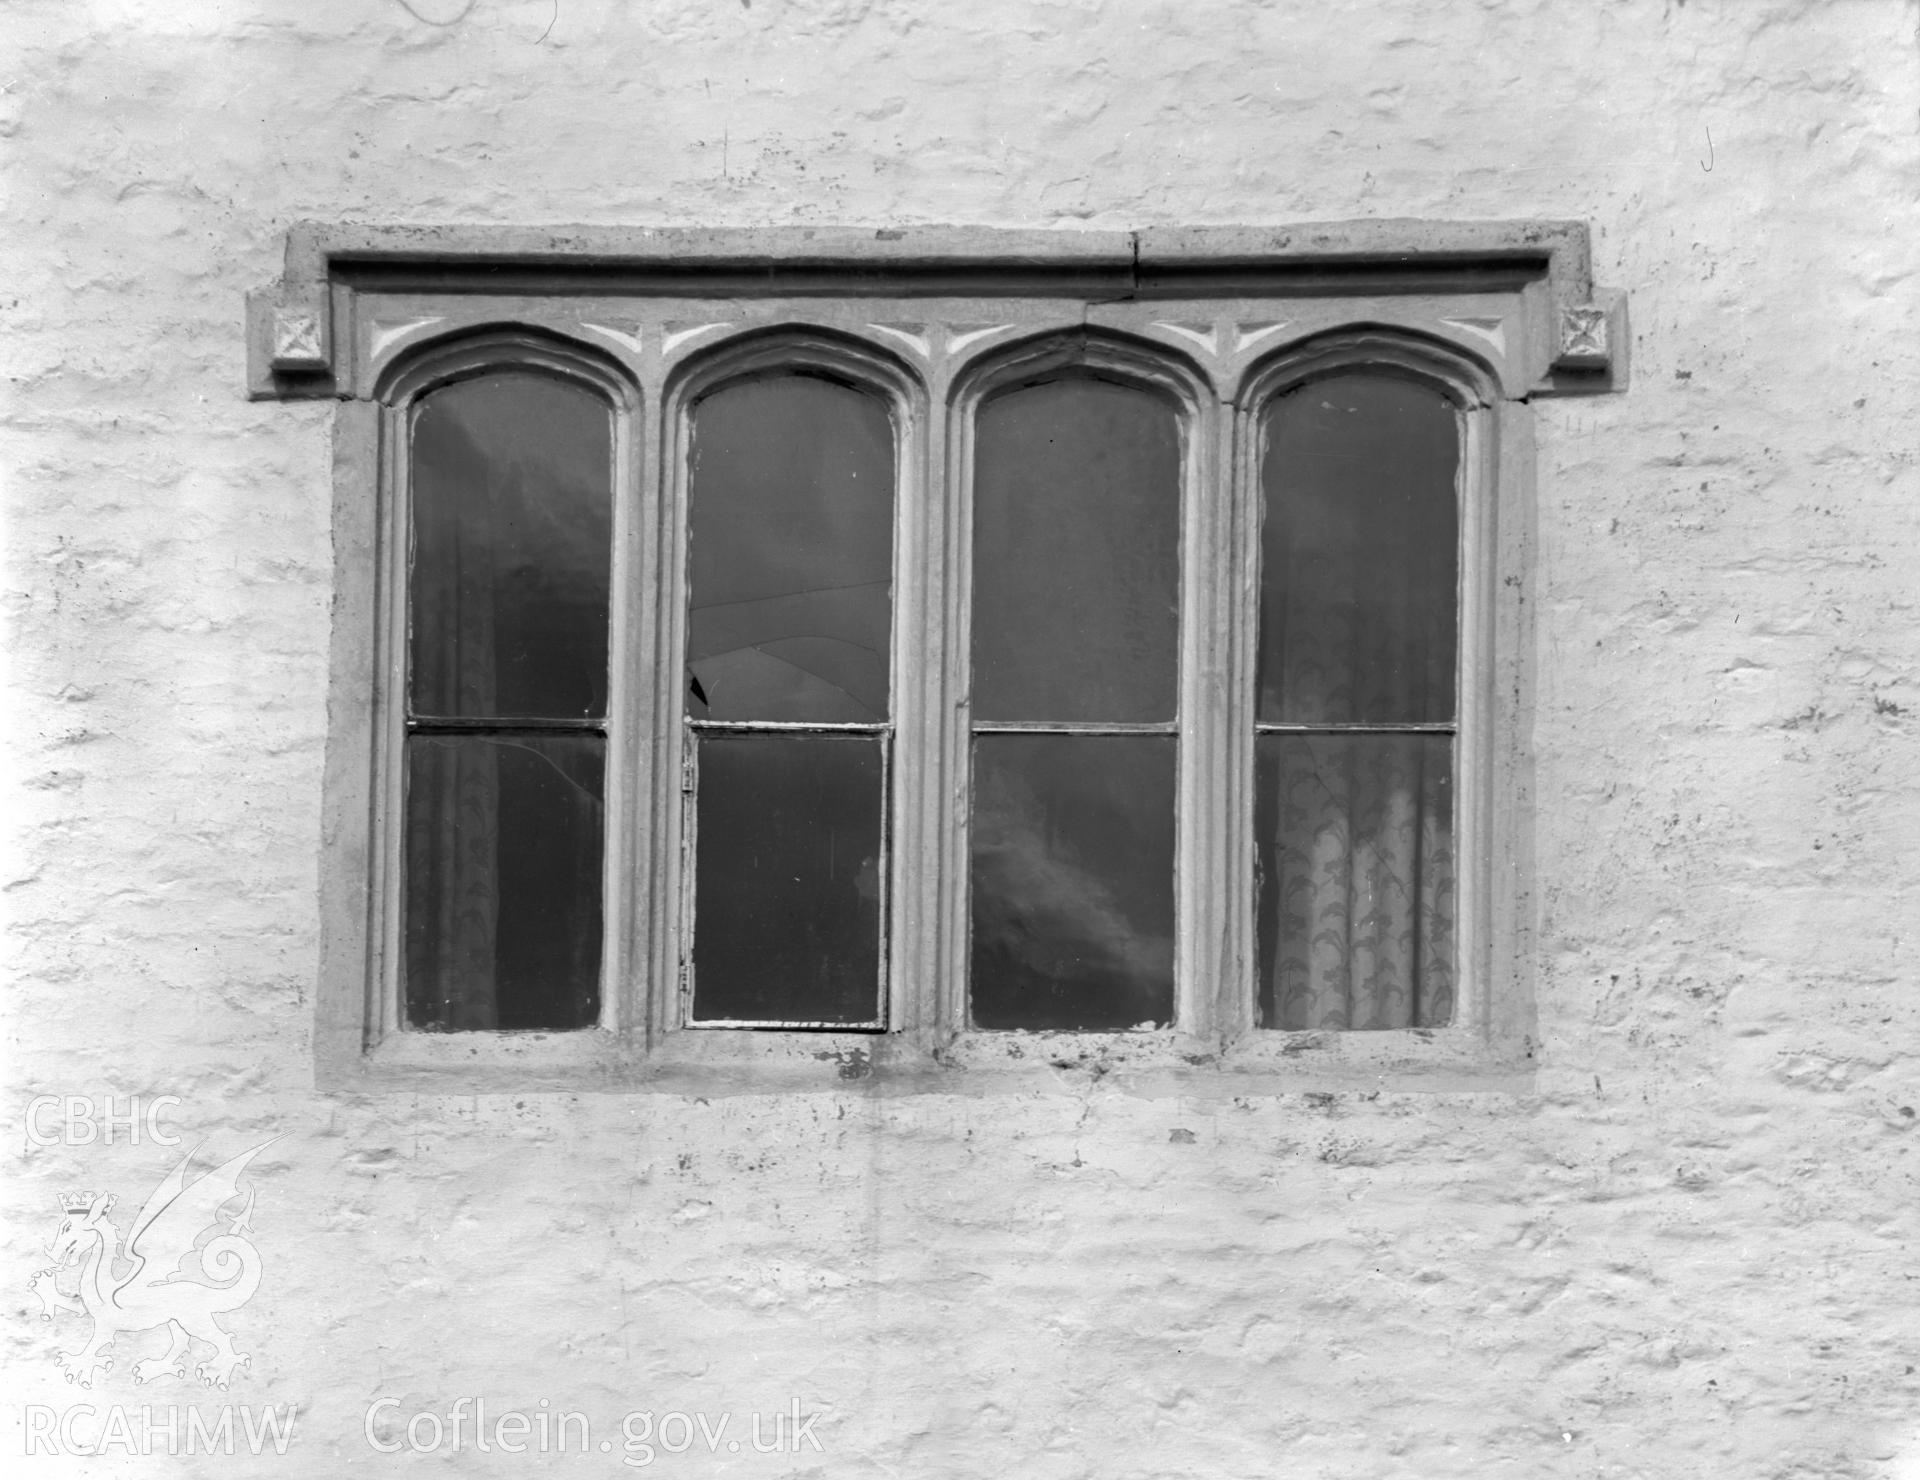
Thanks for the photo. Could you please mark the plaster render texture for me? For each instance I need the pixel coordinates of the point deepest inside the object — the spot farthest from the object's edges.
(1685, 1248)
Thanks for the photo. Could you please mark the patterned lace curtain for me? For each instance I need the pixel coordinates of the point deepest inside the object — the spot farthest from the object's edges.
(1354, 762)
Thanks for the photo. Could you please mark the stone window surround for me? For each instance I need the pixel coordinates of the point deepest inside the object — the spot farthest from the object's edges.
(1492, 313)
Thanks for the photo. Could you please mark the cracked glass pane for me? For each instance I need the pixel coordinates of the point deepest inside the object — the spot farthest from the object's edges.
(791, 560)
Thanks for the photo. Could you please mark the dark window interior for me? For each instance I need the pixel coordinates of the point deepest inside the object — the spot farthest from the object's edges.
(511, 509)
(790, 565)
(1076, 630)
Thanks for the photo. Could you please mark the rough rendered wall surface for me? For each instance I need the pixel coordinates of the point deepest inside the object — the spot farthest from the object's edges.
(1690, 1251)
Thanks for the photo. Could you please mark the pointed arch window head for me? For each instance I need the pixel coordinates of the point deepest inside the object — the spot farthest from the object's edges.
(825, 665)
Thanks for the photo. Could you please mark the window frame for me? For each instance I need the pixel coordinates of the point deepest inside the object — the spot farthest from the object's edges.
(865, 366)
(1472, 389)
(1100, 354)
(398, 394)
(1222, 323)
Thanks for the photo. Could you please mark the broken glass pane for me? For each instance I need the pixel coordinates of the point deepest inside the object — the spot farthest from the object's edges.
(1072, 881)
(789, 882)
(503, 858)
(791, 561)
(1355, 903)
(1360, 554)
(1076, 554)
(512, 497)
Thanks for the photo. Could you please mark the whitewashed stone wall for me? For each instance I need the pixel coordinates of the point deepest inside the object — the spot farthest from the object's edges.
(1693, 1250)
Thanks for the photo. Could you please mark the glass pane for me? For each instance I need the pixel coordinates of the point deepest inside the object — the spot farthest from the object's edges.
(1359, 554)
(512, 512)
(1072, 881)
(788, 879)
(792, 552)
(1076, 554)
(503, 881)
(1355, 880)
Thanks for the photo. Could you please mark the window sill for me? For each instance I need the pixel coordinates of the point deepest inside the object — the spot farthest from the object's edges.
(1161, 1063)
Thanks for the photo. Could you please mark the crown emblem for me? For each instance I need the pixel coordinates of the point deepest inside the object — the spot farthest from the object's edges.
(75, 1202)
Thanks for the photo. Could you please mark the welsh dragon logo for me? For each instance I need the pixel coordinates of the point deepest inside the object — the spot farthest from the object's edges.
(156, 1290)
